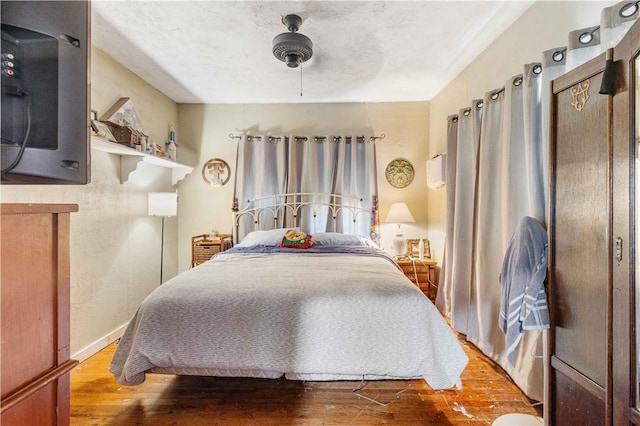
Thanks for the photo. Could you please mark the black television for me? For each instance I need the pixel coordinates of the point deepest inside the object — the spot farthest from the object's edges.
(45, 92)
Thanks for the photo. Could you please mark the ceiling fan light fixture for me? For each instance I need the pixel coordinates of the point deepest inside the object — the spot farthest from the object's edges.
(292, 60)
(292, 48)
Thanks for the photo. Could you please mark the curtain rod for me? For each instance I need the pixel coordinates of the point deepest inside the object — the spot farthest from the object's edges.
(304, 138)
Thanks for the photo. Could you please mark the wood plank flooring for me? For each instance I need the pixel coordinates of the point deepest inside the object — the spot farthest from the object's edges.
(97, 399)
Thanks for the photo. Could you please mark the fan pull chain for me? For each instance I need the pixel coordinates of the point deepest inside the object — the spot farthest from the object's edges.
(301, 80)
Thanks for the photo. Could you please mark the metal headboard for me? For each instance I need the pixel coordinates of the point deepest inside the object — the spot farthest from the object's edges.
(289, 209)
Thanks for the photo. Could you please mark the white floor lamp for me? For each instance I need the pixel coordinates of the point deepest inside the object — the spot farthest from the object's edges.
(163, 204)
(399, 213)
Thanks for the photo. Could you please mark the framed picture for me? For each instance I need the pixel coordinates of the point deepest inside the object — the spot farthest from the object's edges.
(123, 113)
(413, 247)
(102, 130)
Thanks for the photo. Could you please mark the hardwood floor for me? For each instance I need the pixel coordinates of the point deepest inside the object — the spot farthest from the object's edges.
(97, 399)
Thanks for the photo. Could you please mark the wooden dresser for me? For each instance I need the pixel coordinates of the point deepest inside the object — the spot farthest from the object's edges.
(202, 248)
(421, 273)
(35, 280)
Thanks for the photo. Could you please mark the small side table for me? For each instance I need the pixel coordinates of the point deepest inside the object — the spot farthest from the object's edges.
(202, 248)
(421, 272)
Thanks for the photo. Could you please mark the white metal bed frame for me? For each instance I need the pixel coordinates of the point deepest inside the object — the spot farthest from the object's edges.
(290, 207)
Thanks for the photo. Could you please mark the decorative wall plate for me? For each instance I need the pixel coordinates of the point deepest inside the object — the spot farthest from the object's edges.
(216, 172)
(399, 173)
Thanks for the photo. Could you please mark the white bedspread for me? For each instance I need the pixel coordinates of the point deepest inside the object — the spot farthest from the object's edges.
(309, 316)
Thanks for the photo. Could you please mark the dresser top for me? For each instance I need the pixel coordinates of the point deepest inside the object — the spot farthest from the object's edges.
(411, 261)
(10, 208)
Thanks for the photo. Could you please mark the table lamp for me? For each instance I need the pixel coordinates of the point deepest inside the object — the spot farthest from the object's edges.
(399, 213)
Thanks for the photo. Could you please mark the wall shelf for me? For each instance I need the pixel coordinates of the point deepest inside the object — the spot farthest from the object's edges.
(130, 159)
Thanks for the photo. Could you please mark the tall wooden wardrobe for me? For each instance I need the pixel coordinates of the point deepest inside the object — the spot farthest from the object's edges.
(593, 349)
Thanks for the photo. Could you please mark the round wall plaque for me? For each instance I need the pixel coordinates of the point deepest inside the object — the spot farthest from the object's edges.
(399, 173)
(216, 172)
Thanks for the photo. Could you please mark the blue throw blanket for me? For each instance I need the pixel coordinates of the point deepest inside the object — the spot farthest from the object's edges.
(324, 249)
(524, 301)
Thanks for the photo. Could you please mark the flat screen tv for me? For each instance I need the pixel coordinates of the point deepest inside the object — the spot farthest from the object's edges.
(45, 97)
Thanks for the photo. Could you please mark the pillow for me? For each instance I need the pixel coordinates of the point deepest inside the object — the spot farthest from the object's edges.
(296, 239)
(338, 239)
(272, 237)
(368, 242)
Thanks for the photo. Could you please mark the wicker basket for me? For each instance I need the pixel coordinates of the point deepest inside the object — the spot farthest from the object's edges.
(203, 248)
(126, 135)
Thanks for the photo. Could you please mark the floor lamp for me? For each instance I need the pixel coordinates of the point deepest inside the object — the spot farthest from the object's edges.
(163, 204)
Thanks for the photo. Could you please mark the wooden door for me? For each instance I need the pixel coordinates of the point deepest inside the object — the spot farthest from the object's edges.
(625, 189)
(579, 234)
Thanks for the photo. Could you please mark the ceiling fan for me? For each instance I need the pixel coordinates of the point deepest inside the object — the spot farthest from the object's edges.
(292, 47)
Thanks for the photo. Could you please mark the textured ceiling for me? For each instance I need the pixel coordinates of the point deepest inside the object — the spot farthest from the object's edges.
(220, 51)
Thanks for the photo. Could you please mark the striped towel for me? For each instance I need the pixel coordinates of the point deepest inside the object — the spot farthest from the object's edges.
(524, 301)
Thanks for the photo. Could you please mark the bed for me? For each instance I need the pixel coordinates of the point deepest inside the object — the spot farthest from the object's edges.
(338, 310)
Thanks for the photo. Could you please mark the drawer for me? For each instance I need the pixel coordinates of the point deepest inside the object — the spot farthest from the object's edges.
(422, 278)
(204, 253)
(208, 248)
(409, 269)
(420, 274)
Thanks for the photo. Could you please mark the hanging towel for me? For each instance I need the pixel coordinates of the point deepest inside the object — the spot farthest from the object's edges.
(524, 301)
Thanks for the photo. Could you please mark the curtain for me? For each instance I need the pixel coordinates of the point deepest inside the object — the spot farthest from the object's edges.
(320, 165)
(450, 177)
(467, 134)
(482, 330)
(261, 171)
(313, 168)
(509, 187)
(533, 148)
(553, 61)
(615, 21)
(499, 174)
(583, 44)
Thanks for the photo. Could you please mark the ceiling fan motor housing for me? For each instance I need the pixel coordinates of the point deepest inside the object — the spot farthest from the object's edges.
(292, 48)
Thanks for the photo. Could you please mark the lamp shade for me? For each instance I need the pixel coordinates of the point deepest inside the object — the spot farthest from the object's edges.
(399, 213)
(163, 204)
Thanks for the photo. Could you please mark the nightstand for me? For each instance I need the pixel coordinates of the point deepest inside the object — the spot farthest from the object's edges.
(422, 273)
(202, 248)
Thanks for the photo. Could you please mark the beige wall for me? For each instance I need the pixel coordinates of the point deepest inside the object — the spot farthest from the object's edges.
(204, 132)
(544, 26)
(115, 246)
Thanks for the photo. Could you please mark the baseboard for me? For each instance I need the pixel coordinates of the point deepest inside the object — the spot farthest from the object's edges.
(99, 344)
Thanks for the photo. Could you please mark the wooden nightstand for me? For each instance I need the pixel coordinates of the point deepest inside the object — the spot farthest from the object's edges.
(422, 273)
(202, 248)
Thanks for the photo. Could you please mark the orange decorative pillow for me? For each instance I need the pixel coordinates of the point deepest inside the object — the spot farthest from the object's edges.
(296, 239)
